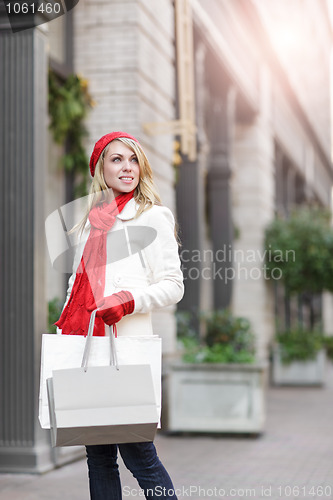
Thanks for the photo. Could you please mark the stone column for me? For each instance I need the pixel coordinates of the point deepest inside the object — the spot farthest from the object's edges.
(189, 208)
(253, 193)
(279, 185)
(24, 447)
(327, 313)
(219, 199)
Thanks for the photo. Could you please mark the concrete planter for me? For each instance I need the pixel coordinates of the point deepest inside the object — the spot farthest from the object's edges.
(310, 372)
(216, 398)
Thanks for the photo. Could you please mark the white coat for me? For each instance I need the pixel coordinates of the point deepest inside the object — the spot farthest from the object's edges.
(152, 274)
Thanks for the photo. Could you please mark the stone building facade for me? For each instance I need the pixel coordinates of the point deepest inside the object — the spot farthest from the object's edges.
(263, 145)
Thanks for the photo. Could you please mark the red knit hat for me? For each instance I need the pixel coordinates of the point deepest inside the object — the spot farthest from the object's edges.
(100, 145)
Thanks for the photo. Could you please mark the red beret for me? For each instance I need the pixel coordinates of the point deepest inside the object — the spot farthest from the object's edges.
(100, 145)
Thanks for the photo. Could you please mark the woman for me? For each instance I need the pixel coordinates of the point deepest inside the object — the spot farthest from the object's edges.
(127, 265)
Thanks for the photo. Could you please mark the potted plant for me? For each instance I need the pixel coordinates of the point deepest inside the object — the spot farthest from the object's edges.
(299, 250)
(299, 358)
(217, 386)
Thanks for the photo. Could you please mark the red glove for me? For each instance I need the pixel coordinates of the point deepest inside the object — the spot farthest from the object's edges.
(115, 306)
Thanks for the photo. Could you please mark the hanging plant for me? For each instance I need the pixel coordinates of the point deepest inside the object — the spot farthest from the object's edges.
(301, 248)
(69, 103)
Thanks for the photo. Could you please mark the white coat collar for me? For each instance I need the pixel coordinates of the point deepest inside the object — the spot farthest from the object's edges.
(129, 211)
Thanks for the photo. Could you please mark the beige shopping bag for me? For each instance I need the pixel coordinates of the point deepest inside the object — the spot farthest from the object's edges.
(103, 405)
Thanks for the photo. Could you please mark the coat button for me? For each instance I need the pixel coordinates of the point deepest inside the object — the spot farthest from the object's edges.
(117, 279)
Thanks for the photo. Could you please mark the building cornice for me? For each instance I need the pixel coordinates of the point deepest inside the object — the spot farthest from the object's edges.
(249, 90)
(273, 61)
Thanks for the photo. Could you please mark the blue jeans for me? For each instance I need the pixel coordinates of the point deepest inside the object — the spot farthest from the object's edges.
(140, 458)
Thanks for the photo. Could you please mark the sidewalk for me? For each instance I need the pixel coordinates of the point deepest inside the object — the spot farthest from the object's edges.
(292, 460)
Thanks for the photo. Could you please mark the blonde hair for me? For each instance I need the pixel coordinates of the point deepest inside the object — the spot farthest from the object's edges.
(145, 194)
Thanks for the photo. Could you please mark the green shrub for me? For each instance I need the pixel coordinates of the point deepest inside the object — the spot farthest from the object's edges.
(301, 247)
(196, 353)
(299, 344)
(225, 329)
(184, 325)
(228, 340)
(55, 308)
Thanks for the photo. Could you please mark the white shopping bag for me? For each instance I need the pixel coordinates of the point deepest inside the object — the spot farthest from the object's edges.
(66, 351)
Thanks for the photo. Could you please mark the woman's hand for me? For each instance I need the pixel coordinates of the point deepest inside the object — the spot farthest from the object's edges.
(112, 308)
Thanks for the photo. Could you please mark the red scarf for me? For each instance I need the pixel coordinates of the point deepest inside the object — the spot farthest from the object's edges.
(89, 283)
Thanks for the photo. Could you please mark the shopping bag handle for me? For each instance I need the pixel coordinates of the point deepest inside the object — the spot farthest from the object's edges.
(113, 351)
